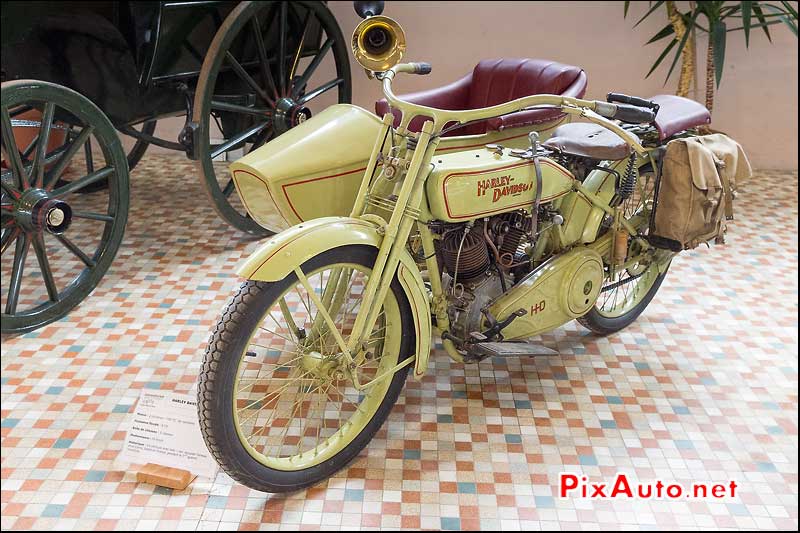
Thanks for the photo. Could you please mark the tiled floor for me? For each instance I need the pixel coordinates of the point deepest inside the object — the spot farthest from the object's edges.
(702, 388)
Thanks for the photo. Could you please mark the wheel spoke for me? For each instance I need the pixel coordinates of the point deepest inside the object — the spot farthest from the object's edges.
(229, 188)
(12, 151)
(26, 153)
(319, 90)
(231, 143)
(7, 238)
(225, 106)
(37, 170)
(318, 57)
(84, 181)
(72, 247)
(66, 157)
(9, 190)
(87, 150)
(20, 254)
(44, 266)
(247, 78)
(282, 48)
(296, 58)
(266, 72)
(93, 216)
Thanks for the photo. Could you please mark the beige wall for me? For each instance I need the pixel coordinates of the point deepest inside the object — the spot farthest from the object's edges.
(756, 103)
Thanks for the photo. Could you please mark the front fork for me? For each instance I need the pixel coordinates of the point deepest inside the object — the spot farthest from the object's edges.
(395, 235)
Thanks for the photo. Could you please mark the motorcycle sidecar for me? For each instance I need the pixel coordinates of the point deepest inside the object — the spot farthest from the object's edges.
(314, 170)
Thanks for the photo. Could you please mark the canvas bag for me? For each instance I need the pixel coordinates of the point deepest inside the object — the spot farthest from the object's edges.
(694, 198)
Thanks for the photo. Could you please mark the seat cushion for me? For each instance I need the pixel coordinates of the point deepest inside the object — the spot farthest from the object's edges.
(495, 81)
(588, 140)
(676, 114)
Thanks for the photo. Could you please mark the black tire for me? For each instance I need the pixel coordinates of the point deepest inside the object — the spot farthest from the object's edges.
(221, 361)
(602, 325)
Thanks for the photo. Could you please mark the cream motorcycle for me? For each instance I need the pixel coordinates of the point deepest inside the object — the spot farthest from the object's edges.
(397, 236)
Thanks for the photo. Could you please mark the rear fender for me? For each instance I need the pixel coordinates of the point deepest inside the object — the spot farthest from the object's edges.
(281, 254)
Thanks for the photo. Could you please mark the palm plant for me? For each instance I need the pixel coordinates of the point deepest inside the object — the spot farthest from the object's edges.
(718, 16)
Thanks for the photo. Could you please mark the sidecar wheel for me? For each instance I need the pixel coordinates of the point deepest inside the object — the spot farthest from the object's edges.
(275, 410)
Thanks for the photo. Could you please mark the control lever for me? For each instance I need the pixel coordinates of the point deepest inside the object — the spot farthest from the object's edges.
(495, 326)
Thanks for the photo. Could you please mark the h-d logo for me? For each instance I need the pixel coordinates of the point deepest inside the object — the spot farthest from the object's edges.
(538, 307)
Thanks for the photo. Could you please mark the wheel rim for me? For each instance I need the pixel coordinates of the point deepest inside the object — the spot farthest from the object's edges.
(293, 407)
(247, 98)
(624, 288)
(56, 244)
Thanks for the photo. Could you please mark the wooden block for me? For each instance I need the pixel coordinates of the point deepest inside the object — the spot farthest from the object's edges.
(164, 476)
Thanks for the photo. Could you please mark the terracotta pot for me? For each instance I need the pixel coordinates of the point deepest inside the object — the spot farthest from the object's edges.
(23, 135)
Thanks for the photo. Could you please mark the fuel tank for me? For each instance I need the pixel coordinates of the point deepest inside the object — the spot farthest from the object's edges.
(312, 170)
(478, 183)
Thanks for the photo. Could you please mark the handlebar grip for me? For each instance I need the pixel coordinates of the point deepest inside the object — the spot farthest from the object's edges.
(422, 68)
(632, 100)
(633, 114)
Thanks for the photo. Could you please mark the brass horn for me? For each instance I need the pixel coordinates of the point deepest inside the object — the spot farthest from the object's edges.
(378, 43)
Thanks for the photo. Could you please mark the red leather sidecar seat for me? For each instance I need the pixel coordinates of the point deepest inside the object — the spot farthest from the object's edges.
(494, 81)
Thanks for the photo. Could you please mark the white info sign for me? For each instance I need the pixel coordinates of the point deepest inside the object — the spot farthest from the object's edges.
(165, 431)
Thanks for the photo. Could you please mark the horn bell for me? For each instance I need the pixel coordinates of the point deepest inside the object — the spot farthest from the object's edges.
(378, 43)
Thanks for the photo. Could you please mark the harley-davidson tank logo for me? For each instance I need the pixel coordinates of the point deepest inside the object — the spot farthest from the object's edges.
(502, 186)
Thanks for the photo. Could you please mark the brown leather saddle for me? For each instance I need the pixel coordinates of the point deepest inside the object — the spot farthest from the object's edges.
(675, 114)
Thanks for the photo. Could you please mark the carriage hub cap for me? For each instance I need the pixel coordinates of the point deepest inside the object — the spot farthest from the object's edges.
(289, 114)
(36, 211)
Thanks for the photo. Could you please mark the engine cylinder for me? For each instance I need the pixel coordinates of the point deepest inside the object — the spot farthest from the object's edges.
(473, 260)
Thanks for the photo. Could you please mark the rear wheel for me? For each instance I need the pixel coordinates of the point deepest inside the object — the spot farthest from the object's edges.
(278, 409)
(628, 289)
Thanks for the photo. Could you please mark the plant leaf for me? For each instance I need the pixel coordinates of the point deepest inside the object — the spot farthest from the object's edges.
(681, 46)
(786, 19)
(666, 31)
(718, 37)
(746, 7)
(760, 16)
(792, 11)
(649, 12)
(661, 57)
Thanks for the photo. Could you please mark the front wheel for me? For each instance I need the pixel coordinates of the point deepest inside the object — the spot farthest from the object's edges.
(278, 409)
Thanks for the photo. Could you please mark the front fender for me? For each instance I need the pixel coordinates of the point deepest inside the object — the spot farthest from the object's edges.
(282, 253)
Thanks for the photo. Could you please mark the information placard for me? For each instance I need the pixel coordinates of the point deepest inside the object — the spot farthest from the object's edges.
(165, 430)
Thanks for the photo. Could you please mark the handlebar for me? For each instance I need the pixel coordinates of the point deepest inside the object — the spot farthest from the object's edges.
(626, 113)
(632, 100)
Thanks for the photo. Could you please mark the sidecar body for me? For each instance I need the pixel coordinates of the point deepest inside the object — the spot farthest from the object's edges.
(315, 169)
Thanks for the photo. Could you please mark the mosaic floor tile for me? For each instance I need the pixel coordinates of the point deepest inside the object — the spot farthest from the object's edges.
(702, 388)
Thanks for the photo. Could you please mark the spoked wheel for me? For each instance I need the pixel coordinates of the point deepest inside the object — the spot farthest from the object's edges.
(277, 403)
(56, 244)
(629, 288)
(271, 66)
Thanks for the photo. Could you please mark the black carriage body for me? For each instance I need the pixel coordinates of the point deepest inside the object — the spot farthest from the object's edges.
(136, 60)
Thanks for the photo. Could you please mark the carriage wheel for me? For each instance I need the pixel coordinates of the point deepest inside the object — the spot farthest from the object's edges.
(56, 244)
(246, 95)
